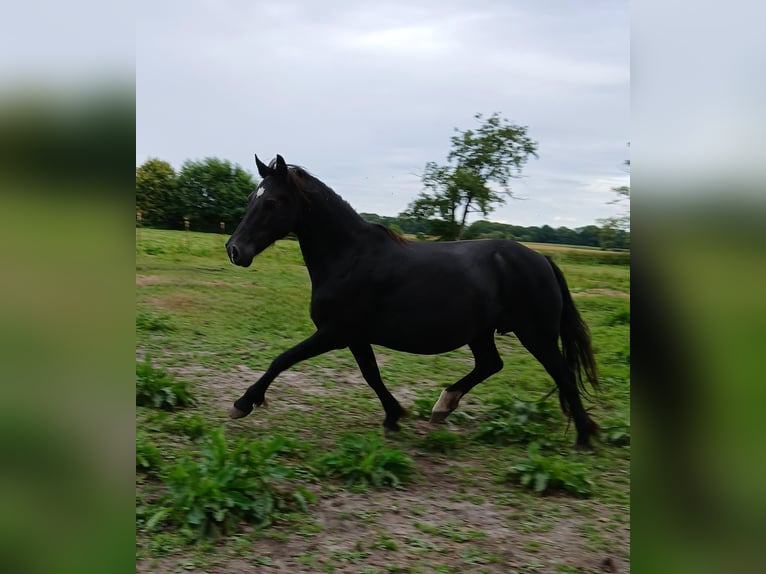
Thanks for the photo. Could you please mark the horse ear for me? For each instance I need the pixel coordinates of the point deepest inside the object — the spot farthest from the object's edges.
(263, 170)
(281, 166)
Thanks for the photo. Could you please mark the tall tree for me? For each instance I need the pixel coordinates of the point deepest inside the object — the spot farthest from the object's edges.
(213, 191)
(156, 193)
(494, 153)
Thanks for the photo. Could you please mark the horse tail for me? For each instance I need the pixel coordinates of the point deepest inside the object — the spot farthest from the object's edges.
(575, 337)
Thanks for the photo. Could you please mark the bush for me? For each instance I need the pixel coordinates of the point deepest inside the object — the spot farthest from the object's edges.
(543, 474)
(514, 420)
(156, 388)
(364, 461)
(209, 497)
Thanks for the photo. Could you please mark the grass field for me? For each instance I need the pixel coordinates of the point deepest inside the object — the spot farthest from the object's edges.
(461, 507)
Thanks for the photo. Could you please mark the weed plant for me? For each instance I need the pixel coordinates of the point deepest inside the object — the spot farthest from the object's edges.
(543, 473)
(209, 496)
(365, 461)
(157, 389)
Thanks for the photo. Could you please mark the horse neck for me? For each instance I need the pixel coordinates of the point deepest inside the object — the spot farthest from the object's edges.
(328, 228)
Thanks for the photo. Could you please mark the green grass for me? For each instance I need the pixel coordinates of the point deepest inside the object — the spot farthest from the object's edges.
(214, 326)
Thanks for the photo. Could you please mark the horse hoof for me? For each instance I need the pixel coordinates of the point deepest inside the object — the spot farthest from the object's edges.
(391, 427)
(582, 447)
(439, 418)
(235, 413)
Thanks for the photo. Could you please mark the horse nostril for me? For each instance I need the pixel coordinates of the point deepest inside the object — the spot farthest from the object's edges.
(233, 253)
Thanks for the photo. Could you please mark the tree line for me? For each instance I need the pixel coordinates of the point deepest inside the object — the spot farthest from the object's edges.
(211, 195)
(604, 237)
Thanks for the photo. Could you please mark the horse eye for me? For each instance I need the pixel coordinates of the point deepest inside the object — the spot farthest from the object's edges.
(269, 203)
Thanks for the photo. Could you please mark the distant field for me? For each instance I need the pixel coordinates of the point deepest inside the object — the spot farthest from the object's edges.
(217, 327)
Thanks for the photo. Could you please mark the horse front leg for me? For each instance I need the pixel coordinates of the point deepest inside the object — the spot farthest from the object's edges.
(365, 358)
(319, 343)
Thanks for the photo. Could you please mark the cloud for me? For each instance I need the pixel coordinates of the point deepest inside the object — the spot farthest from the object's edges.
(364, 94)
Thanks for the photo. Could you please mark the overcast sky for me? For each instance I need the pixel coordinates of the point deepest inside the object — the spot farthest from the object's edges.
(363, 94)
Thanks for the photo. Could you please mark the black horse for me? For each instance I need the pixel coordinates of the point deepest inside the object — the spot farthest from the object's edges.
(370, 287)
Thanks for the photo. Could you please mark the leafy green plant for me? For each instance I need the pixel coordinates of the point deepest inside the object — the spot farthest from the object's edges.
(364, 461)
(547, 473)
(192, 426)
(158, 389)
(153, 250)
(228, 484)
(620, 317)
(153, 322)
(421, 407)
(514, 420)
(616, 432)
(441, 441)
(148, 456)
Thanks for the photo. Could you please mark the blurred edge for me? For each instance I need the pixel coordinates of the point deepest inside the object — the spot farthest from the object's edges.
(699, 278)
(67, 117)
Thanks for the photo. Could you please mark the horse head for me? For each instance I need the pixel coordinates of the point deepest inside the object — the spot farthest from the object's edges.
(272, 213)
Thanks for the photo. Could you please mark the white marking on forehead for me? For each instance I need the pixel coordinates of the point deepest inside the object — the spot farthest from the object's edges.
(259, 192)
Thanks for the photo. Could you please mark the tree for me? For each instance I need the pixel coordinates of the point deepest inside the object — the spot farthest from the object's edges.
(494, 153)
(156, 192)
(213, 191)
(589, 235)
(620, 222)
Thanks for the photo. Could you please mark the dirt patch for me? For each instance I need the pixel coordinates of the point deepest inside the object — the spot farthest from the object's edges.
(175, 301)
(607, 292)
(146, 280)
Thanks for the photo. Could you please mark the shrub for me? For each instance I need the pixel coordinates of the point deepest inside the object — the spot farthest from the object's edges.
(210, 496)
(514, 420)
(543, 474)
(156, 388)
(364, 461)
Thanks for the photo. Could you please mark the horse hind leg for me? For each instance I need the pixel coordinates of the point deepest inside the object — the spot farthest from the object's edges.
(488, 362)
(547, 352)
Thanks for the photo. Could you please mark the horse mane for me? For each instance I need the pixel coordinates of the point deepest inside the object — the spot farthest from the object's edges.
(397, 237)
(309, 185)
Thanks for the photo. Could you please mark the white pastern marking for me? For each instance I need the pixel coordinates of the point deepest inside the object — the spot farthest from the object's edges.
(447, 402)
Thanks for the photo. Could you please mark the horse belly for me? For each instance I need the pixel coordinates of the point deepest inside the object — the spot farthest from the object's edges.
(429, 329)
